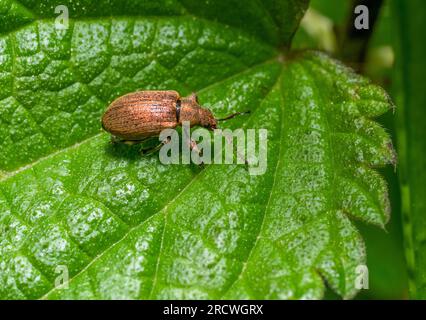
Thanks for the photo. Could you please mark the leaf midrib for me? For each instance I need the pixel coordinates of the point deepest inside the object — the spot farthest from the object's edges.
(278, 82)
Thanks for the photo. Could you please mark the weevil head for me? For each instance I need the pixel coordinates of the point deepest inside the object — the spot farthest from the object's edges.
(191, 111)
(207, 119)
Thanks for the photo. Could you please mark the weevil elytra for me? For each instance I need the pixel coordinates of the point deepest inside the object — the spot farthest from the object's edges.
(136, 117)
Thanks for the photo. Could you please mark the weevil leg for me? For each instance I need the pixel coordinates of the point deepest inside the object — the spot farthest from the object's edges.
(132, 142)
(240, 156)
(149, 151)
(193, 146)
(246, 165)
(115, 140)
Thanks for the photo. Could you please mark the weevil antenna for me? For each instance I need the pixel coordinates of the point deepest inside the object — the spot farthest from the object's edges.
(233, 115)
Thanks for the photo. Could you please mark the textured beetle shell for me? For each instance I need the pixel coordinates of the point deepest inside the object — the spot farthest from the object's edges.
(142, 114)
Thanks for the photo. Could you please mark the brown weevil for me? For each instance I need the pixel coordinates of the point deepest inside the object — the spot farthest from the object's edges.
(139, 116)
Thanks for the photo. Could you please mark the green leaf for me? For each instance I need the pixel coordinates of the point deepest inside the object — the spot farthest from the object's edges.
(325, 21)
(411, 130)
(127, 226)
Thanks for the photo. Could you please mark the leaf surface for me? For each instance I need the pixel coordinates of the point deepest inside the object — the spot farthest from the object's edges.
(127, 226)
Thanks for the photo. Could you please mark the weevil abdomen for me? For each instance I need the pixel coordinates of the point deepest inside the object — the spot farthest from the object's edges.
(142, 114)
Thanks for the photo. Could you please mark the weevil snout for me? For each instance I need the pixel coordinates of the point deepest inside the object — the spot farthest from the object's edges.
(207, 119)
